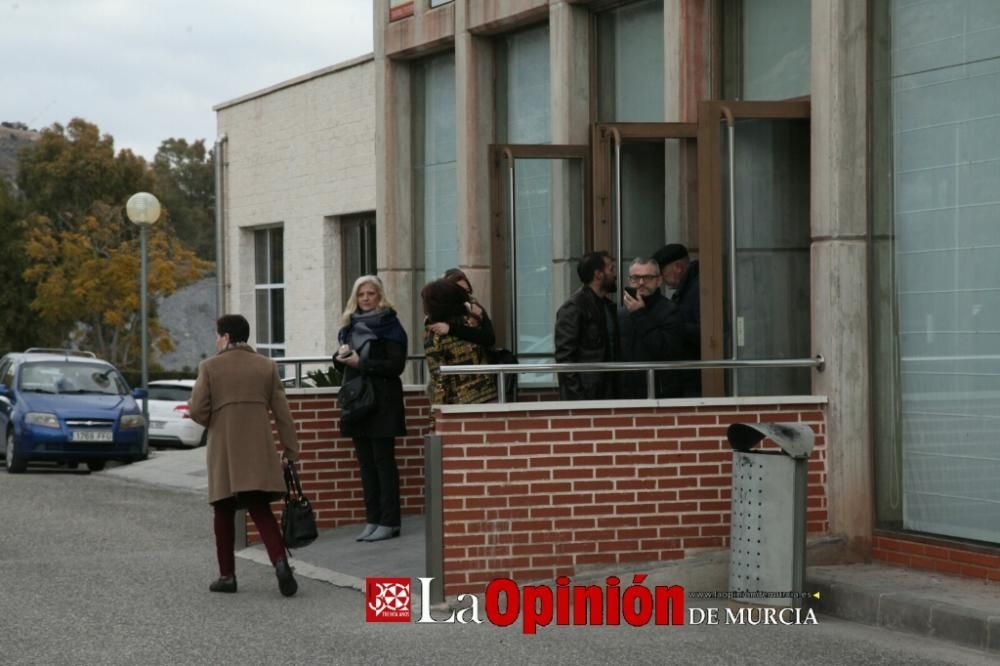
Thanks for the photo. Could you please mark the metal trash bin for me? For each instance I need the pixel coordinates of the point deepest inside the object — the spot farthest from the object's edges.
(767, 537)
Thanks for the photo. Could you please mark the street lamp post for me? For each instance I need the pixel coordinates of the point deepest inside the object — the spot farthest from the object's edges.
(143, 210)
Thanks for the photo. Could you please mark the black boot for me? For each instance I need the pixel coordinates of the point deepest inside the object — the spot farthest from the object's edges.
(224, 584)
(286, 581)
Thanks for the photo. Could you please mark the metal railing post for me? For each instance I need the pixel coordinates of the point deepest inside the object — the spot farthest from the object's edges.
(433, 518)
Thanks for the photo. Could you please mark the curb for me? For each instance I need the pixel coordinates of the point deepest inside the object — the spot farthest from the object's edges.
(909, 612)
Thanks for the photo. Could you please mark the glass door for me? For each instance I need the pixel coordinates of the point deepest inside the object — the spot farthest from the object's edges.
(643, 188)
(539, 205)
(755, 240)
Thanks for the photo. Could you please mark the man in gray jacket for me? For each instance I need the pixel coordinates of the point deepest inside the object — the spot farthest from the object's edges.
(587, 330)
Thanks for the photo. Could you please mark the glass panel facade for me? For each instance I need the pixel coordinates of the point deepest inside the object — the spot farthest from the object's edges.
(937, 272)
(434, 183)
(630, 63)
(770, 48)
(543, 190)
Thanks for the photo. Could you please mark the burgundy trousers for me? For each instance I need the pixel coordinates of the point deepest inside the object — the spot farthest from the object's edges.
(225, 531)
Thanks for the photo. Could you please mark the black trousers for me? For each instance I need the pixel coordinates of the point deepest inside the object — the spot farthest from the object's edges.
(379, 478)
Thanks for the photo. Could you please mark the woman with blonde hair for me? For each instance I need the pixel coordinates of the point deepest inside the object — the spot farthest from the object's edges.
(373, 345)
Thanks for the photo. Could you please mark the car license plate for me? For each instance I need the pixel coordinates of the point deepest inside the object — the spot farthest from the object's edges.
(91, 436)
(157, 424)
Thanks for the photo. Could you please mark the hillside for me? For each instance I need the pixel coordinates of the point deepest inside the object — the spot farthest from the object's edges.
(11, 140)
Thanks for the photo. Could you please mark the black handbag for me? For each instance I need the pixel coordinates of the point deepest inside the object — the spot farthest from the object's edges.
(298, 520)
(357, 399)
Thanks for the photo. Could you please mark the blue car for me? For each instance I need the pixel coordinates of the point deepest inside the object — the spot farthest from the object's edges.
(69, 407)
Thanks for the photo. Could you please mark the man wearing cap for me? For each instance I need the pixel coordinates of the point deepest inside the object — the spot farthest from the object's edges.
(586, 330)
(681, 274)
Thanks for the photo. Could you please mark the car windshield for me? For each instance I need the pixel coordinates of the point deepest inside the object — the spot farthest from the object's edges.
(170, 393)
(67, 377)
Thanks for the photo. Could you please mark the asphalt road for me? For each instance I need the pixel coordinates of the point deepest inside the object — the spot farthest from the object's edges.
(96, 570)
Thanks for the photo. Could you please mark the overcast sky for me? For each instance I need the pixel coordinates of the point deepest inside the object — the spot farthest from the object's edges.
(147, 70)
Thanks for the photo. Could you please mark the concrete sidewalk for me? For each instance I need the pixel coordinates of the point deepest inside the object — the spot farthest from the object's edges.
(185, 469)
(962, 611)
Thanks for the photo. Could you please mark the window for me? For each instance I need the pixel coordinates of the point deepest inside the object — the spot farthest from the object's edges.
(547, 200)
(357, 249)
(399, 9)
(7, 374)
(767, 49)
(630, 63)
(438, 3)
(269, 276)
(434, 176)
(936, 270)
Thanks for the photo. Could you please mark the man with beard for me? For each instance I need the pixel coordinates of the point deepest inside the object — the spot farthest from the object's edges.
(587, 330)
(651, 330)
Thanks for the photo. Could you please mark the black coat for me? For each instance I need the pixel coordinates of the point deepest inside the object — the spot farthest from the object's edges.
(385, 363)
(652, 333)
(687, 296)
(582, 336)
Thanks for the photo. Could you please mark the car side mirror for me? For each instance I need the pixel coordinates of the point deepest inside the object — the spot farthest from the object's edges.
(5, 392)
(140, 394)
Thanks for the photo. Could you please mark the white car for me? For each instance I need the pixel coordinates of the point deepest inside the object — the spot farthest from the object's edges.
(169, 422)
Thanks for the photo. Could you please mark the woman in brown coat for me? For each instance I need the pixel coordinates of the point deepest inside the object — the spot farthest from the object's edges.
(234, 392)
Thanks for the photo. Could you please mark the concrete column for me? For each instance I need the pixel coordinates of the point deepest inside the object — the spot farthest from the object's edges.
(569, 112)
(687, 58)
(687, 79)
(393, 177)
(839, 214)
(474, 99)
(569, 67)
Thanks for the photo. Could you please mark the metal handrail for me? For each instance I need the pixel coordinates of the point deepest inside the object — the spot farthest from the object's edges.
(650, 368)
(298, 361)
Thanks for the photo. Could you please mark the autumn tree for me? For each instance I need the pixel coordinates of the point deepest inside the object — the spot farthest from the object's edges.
(18, 324)
(185, 184)
(83, 255)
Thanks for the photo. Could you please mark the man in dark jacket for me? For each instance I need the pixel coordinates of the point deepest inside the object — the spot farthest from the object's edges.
(587, 330)
(681, 274)
(651, 330)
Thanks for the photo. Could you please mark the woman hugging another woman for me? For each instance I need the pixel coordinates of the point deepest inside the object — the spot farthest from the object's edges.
(458, 332)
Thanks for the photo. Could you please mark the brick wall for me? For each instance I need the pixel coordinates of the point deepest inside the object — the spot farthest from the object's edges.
(535, 492)
(329, 470)
(939, 555)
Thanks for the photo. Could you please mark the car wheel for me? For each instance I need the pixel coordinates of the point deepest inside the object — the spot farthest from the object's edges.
(96, 465)
(15, 463)
(204, 437)
(73, 464)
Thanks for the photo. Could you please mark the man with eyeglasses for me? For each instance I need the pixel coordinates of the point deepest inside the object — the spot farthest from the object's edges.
(586, 330)
(651, 330)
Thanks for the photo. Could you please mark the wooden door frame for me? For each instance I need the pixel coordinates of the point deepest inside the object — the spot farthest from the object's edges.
(502, 156)
(711, 115)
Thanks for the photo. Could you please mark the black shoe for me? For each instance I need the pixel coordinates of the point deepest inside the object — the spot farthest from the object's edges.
(286, 581)
(224, 584)
(382, 533)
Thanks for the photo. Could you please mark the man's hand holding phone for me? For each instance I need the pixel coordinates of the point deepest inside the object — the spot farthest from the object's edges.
(632, 300)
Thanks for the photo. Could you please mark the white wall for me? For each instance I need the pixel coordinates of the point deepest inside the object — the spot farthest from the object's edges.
(298, 154)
